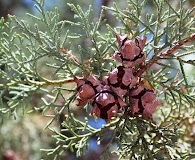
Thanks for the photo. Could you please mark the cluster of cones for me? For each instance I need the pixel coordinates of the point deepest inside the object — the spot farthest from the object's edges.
(121, 91)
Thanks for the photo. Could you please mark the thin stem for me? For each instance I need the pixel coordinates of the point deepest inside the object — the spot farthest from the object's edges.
(164, 54)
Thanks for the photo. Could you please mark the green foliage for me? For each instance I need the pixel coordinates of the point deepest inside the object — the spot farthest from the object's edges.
(44, 59)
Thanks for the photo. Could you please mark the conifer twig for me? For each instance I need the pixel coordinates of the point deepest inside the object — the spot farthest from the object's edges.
(165, 54)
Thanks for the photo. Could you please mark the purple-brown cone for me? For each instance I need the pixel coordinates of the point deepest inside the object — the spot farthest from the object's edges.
(121, 79)
(130, 53)
(106, 104)
(143, 102)
(87, 89)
